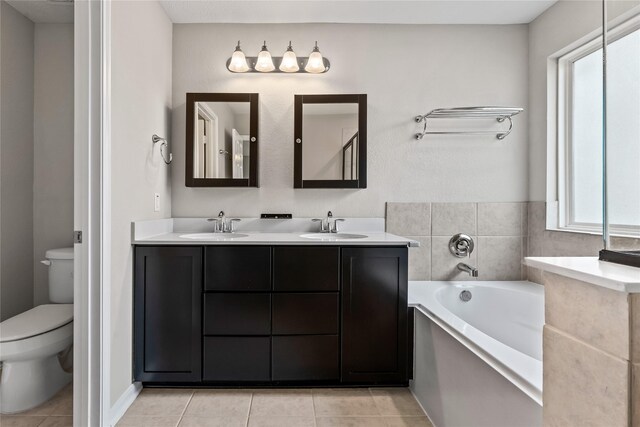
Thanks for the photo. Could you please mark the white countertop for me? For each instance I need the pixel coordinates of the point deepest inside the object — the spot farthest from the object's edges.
(609, 275)
(264, 232)
(372, 239)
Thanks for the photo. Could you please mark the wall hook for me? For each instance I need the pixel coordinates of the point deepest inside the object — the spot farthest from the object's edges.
(155, 139)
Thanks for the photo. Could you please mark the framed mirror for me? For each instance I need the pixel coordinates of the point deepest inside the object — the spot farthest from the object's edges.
(222, 140)
(330, 141)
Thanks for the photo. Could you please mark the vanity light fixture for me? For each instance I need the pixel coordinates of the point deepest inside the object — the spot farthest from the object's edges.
(264, 63)
(315, 64)
(288, 63)
(238, 62)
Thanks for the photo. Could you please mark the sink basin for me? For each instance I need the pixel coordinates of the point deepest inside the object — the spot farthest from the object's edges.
(332, 236)
(213, 236)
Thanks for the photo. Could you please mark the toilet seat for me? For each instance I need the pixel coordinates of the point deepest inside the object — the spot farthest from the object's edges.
(37, 321)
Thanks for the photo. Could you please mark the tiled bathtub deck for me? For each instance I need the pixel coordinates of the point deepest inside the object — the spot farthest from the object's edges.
(375, 407)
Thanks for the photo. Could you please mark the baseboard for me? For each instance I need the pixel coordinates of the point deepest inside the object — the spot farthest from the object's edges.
(124, 401)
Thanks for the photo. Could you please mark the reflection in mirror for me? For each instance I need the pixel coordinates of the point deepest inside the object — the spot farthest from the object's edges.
(330, 141)
(330, 135)
(221, 143)
(221, 140)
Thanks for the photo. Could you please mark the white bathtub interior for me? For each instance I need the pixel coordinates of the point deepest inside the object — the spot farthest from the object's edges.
(479, 363)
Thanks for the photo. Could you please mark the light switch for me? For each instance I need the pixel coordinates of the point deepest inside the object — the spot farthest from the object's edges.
(156, 202)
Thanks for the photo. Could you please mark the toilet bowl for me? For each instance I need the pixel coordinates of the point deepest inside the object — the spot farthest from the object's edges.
(29, 347)
(31, 341)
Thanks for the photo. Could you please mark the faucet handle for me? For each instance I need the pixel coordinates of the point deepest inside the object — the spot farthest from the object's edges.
(232, 227)
(335, 224)
(322, 224)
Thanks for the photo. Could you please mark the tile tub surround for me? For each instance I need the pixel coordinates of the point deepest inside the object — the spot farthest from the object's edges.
(552, 243)
(499, 231)
(376, 407)
(591, 339)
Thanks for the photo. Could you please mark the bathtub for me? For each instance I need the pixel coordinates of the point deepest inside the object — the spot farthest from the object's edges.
(478, 362)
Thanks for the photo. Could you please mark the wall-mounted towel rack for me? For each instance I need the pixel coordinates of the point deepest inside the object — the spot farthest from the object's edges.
(499, 113)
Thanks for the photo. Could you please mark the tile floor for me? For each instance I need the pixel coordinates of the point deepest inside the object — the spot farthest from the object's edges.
(375, 407)
(56, 412)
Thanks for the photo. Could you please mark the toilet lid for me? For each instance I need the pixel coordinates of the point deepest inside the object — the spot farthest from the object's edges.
(38, 320)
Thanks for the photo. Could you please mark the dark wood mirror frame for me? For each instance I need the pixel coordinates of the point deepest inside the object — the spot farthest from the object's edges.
(252, 99)
(361, 181)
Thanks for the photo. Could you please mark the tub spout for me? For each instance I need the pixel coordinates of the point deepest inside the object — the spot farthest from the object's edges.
(473, 272)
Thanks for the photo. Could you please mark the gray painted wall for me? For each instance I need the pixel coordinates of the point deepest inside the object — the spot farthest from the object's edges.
(16, 162)
(445, 66)
(141, 106)
(53, 147)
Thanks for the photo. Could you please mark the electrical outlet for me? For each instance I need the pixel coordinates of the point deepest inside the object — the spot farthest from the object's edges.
(156, 202)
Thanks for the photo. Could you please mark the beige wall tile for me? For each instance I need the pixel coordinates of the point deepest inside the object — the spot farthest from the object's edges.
(635, 328)
(534, 275)
(443, 263)
(420, 259)
(583, 386)
(499, 258)
(593, 314)
(524, 222)
(635, 395)
(561, 243)
(537, 215)
(448, 219)
(499, 219)
(409, 219)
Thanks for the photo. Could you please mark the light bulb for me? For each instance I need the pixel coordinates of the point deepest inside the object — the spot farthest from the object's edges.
(315, 64)
(289, 62)
(238, 62)
(264, 64)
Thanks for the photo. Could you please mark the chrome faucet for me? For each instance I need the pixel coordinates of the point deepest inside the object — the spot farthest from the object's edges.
(328, 224)
(473, 272)
(222, 224)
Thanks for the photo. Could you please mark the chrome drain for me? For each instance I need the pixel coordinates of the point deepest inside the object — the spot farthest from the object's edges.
(465, 296)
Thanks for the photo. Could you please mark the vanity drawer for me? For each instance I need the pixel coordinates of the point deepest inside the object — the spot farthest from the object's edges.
(312, 313)
(304, 268)
(237, 314)
(305, 358)
(237, 268)
(236, 359)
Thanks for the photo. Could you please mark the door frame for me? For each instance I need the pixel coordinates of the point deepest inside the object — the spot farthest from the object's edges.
(92, 207)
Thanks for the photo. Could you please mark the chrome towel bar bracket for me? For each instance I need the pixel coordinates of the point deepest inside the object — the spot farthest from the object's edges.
(499, 113)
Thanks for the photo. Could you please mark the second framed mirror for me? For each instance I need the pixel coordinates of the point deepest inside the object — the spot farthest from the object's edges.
(330, 141)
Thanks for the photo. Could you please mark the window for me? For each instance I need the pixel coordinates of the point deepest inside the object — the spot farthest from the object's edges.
(580, 151)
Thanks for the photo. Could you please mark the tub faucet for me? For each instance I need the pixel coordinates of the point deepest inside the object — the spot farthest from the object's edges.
(473, 272)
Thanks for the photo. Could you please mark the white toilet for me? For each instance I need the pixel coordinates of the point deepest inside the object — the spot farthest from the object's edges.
(30, 342)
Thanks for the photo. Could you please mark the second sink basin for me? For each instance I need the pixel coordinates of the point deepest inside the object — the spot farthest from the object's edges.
(213, 236)
(332, 236)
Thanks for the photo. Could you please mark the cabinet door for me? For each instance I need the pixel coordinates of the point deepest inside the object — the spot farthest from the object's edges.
(235, 359)
(305, 358)
(238, 268)
(167, 314)
(374, 315)
(306, 268)
(300, 314)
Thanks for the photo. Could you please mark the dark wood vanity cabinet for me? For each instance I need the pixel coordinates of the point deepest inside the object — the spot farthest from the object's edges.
(271, 315)
(167, 314)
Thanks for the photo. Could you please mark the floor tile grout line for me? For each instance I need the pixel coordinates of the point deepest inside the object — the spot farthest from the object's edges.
(184, 411)
(249, 412)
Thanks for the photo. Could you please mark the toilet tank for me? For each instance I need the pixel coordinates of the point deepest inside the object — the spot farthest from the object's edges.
(60, 263)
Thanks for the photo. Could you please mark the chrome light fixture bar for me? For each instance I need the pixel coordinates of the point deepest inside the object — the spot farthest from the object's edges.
(289, 63)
